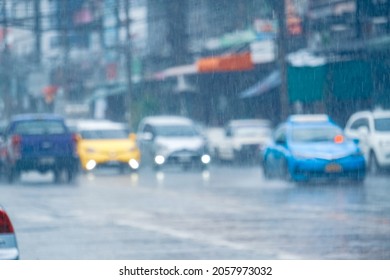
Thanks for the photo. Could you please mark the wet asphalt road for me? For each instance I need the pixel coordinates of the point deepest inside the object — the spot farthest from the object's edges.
(229, 212)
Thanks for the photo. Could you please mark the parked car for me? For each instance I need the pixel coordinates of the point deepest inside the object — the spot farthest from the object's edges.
(241, 140)
(40, 142)
(372, 130)
(107, 144)
(8, 244)
(309, 147)
(3, 126)
(172, 140)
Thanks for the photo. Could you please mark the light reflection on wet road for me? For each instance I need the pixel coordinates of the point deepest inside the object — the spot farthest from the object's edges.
(225, 213)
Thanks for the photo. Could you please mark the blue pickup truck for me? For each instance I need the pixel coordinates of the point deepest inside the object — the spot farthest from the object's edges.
(39, 142)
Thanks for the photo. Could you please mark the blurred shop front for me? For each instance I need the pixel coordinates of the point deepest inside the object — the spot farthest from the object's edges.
(208, 90)
(354, 36)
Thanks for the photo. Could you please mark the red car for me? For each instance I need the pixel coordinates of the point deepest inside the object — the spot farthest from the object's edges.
(8, 245)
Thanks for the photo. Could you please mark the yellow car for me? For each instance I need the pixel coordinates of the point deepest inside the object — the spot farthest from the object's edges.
(105, 143)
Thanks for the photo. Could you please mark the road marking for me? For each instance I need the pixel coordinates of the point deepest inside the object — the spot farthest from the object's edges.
(207, 239)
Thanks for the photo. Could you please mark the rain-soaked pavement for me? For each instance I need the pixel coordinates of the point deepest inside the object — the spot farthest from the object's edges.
(229, 212)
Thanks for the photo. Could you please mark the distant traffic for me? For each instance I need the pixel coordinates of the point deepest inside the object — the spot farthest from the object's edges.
(303, 148)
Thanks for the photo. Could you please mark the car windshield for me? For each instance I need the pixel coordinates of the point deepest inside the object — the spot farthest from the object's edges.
(176, 131)
(251, 131)
(382, 124)
(104, 134)
(315, 134)
(37, 127)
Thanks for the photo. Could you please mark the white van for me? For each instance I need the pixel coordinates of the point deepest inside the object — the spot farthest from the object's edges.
(372, 130)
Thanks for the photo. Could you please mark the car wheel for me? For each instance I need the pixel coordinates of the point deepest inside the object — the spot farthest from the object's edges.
(65, 175)
(71, 175)
(59, 175)
(373, 166)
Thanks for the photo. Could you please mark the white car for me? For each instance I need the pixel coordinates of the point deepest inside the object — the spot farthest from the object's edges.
(241, 140)
(372, 130)
(172, 140)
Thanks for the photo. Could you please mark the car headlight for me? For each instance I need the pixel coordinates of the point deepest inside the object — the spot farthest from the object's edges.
(134, 164)
(159, 159)
(205, 159)
(91, 164)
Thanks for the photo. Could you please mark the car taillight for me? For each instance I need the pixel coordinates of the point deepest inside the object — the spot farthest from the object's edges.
(5, 223)
(338, 139)
(75, 139)
(16, 140)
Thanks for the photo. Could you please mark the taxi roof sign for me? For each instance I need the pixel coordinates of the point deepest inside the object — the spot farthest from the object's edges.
(309, 118)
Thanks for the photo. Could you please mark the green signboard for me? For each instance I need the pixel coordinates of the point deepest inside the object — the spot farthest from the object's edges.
(351, 79)
(306, 84)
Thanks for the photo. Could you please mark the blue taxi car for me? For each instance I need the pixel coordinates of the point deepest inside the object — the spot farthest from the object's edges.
(307, 147)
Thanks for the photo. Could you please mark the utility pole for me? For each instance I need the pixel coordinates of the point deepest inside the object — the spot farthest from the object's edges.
(6, 65)
(37, 30)
(280, 10)
(63, 22)
(177, 38)
(117, 25)
(64, 28)
(128, 57)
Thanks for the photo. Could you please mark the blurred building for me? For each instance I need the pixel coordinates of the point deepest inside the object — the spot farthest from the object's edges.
(195, 27)
(202, 54)
(78, 49)
(344, 68)
(354, 38)
(210, 59)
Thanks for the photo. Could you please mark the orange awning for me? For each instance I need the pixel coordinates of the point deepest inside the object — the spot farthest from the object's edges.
(231, 62)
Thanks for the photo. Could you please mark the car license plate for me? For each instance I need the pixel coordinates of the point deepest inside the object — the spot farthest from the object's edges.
(333, 168)
(47, 160)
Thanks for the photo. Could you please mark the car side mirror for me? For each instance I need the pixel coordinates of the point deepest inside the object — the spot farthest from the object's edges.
(356, 141)
(133, 137)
